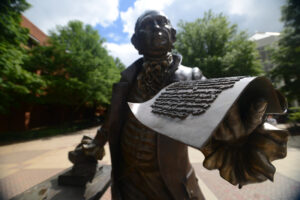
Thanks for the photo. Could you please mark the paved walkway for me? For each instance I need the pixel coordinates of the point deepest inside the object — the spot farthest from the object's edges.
(26, 164)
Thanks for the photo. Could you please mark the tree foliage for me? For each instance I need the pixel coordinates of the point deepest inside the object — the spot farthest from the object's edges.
(15, 82)
(216, 47)
(11, 31)
(73, 69)
(287, 54)
(76, 67)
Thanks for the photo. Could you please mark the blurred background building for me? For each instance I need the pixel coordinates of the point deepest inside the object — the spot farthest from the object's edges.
(264, 41)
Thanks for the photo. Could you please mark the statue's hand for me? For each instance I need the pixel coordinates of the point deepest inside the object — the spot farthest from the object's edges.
(242, 147)
(235, 127)
(91, 148)
(87, 151)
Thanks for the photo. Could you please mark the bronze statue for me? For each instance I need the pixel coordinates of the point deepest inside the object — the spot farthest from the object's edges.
(149, 165)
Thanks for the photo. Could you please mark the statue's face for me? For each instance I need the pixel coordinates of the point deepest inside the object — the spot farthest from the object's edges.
(155, 34)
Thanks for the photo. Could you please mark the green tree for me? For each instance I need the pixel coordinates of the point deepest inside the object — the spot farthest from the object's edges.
(287, 54)
(216, 47)
(15, 82)
(119, 64)
(76, 67)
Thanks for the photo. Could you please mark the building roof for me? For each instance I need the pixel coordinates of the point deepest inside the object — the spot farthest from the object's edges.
(264, 38)
(262, 35)
(35, 33)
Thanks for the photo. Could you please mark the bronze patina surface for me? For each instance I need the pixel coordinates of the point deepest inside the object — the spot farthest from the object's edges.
(145, 161)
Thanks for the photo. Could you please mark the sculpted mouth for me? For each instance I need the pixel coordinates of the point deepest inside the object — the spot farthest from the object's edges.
(160, 41)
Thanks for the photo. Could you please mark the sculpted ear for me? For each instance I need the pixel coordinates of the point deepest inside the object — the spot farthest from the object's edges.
(173, 35)
(135, 41)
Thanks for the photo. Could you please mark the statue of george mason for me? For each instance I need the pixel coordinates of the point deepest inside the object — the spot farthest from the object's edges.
(146, 164)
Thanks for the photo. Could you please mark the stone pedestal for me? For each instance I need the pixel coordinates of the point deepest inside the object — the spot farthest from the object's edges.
(51, 190)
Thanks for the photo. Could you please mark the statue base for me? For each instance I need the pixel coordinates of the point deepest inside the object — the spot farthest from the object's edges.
(79, 175)
(52, 190)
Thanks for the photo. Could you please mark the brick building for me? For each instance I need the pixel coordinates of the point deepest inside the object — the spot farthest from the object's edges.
(36, 36)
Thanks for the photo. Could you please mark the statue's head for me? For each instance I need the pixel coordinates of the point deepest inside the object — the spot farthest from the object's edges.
(153, 34)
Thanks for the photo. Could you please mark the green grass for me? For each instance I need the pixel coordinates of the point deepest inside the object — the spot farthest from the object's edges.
(63, 129)
(294, 115)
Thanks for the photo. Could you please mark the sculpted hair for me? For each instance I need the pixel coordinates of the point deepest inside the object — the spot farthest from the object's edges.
(145, 14)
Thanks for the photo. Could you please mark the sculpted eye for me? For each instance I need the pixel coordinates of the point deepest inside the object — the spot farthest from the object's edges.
(162, 22)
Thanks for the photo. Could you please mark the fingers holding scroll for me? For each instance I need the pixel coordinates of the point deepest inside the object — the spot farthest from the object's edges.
(254, 116)
(237, 125)
(231, 128)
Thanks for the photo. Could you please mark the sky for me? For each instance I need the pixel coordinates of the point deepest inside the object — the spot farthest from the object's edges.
(115, 19)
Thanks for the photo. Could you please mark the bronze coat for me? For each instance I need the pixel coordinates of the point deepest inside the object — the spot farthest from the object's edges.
(173, 161)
